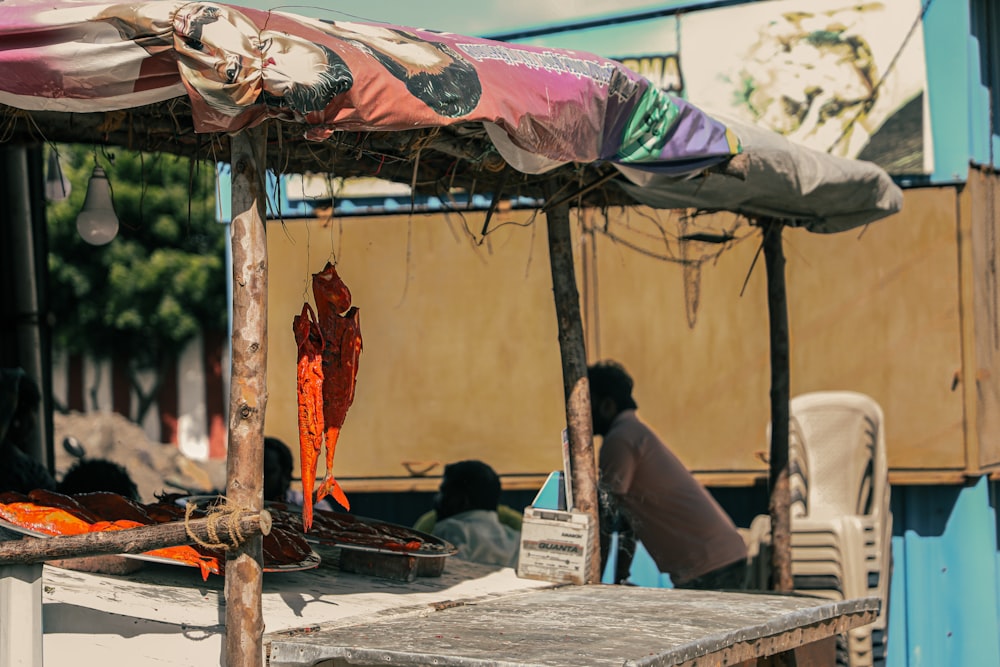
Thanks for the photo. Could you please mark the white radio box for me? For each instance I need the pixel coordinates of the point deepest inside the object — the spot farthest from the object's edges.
(555, 545)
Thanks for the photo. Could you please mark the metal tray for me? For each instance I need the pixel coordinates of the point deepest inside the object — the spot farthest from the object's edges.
(353, 537)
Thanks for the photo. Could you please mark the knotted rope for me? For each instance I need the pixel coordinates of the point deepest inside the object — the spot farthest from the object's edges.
(221, 514)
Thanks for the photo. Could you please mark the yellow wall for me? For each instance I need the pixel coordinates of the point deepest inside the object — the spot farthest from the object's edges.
(460, 352)
(461, 355)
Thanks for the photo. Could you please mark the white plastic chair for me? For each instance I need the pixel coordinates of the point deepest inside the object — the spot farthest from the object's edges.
(840, 519)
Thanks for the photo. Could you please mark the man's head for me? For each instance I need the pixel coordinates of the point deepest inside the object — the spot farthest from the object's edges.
(278, 466)
(467, 485)
(93, 475)
(610, 393)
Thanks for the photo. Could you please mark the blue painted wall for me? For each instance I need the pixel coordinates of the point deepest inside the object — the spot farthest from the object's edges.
(959, 98)
(944, 601)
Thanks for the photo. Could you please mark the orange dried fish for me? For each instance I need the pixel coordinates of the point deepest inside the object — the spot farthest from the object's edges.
(340, 323)
(43, 519)
(309, 388)
(60, 520)
(186, 554)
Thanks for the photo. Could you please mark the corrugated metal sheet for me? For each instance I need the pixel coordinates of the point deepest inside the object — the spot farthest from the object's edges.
(945, 595)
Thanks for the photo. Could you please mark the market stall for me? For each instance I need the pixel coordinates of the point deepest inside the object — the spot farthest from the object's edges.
(270, 90)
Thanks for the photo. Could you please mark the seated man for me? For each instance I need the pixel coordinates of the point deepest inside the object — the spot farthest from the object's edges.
(278, 467)
(508, 516)
(466, 507)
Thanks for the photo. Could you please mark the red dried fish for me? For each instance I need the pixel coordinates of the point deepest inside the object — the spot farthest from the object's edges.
(340, 323)
(112, 507)
(63, 502)
(309, 372)
(206, 563)
(43, 519)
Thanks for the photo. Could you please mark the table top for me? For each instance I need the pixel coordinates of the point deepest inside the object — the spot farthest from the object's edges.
(584, 625)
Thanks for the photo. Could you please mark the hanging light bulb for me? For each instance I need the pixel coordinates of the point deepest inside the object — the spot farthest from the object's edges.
(97, 222)
(57, 186)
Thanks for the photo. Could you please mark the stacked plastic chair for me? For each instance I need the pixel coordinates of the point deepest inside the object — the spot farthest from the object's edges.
(840, 519)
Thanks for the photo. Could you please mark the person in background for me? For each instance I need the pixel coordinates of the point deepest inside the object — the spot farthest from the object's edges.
(653, 497)
(508, 516)
(466, 507)
(91, 475)
(278, 466)
(19, 400)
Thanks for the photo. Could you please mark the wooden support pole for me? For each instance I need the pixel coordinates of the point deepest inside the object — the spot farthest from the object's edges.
(777, 306)
(575, 384)
(136, 540)
(248, 394)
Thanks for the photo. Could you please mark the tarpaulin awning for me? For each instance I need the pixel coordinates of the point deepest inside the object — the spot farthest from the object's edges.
(361, 99)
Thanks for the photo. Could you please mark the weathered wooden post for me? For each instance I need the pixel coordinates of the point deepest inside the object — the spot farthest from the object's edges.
(778, 506)
(574, 368)
(247, 395)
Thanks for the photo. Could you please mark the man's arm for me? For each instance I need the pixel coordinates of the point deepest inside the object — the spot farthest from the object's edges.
(611, 521)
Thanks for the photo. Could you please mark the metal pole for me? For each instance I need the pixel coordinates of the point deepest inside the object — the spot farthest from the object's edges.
(777, 306)
(247, 396)
(575, 385)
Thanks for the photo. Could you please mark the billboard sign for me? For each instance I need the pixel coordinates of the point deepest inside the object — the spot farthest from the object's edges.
(846, 78)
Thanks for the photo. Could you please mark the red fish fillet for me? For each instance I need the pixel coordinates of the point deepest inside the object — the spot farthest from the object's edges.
(341, 326)
(309, 341)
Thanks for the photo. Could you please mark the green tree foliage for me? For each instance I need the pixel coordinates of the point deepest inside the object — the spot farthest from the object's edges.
(145, 295)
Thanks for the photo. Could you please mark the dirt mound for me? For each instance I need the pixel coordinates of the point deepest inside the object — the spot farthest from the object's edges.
(152, 465)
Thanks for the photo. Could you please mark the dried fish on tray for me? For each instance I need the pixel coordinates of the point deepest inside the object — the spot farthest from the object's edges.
(49, 514)
(370, 546)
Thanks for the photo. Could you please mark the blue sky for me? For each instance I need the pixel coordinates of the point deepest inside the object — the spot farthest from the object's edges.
(469, 17)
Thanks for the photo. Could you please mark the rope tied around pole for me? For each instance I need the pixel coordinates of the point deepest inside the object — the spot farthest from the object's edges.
(221, 514)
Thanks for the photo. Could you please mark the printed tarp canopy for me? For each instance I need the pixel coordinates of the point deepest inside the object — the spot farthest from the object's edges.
(438, 110)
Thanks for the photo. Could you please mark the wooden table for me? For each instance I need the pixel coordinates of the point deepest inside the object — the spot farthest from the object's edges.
(472, 614)
(589, 625)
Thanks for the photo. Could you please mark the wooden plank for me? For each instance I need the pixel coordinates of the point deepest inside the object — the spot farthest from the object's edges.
(982, 315)
(248, 395)
(21, 615)
(431, 483)
(927, 477)
(776, 648)
(965, 214)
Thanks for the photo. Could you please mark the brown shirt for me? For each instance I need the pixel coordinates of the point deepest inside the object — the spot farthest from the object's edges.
(679, 523)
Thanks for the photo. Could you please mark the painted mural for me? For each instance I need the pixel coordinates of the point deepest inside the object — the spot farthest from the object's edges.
(845, 78)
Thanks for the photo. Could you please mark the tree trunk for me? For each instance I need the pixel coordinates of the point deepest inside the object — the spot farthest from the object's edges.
(248, 395)
(575, 386)
(781, 547)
